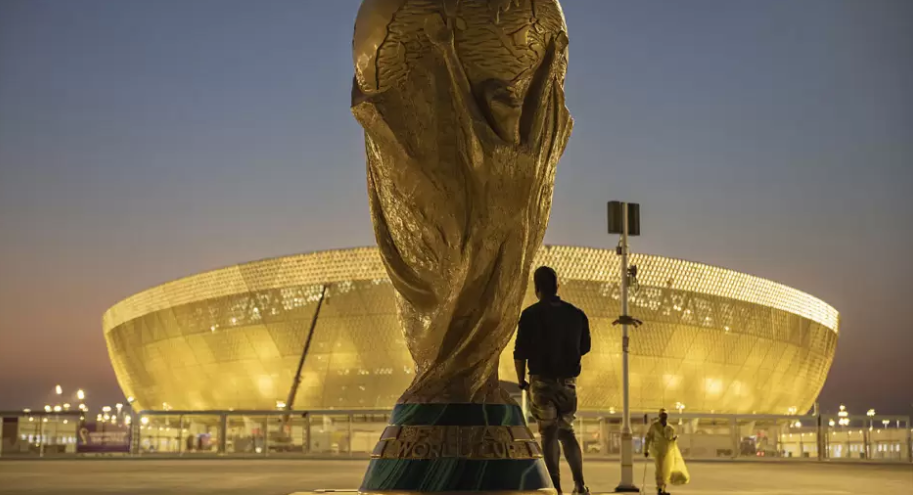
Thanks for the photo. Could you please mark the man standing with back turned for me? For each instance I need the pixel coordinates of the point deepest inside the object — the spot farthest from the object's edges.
(552, 337)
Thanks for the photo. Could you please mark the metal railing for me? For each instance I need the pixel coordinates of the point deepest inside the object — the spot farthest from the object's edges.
(353, 434)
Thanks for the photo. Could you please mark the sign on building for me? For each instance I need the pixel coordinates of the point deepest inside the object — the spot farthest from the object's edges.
(103, 438)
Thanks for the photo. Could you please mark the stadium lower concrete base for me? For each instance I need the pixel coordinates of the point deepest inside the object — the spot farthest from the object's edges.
(284, 477)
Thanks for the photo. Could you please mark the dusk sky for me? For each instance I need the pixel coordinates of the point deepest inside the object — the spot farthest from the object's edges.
(145, 141)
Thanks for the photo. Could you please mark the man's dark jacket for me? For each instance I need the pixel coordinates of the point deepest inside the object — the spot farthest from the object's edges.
(552, 337)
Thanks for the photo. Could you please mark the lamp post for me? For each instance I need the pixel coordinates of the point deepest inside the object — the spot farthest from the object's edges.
(867, 436)
(624, 219)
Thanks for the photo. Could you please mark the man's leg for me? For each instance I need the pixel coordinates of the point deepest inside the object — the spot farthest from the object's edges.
(660, 476)
(551, 453)
(566, 404)
(543, 409)
(574, 456)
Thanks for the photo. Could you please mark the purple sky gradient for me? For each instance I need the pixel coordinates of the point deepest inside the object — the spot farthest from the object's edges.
(144, 141)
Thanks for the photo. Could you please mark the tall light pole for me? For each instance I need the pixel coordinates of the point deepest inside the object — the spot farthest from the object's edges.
(624, 219)
(867, 436)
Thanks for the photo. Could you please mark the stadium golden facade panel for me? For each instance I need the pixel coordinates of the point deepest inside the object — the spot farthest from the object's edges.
(713, 339)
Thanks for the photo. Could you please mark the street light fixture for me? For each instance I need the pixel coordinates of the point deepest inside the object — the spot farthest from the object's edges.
(80, 395)
(58, 390)
(624, 219)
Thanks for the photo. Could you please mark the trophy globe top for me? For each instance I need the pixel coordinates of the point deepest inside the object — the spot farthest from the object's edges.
(496, 40)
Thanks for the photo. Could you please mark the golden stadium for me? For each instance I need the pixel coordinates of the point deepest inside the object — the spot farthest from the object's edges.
(713, 340)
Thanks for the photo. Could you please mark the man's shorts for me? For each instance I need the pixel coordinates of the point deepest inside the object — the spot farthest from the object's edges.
(553, 401)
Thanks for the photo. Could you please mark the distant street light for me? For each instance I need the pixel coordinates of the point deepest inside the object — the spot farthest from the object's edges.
(58, 390)
(80, 395)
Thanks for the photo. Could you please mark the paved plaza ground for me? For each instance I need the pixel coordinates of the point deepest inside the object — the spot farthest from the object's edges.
(282, 477)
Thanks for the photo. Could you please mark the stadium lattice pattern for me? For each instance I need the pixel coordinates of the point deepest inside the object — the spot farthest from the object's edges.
(713, 339)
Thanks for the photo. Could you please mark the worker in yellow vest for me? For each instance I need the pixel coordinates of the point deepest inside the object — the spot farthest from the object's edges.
(659, 443)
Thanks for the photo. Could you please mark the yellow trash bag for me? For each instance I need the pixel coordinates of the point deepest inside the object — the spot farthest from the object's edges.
(680, 475)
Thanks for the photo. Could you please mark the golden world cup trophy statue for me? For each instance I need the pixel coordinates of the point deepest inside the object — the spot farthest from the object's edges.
(462, 103)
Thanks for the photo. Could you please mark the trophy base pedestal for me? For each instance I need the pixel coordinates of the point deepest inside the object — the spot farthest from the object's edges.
(442, 448)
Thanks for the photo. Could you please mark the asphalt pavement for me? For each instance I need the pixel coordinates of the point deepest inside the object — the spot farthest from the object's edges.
(283, 477)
